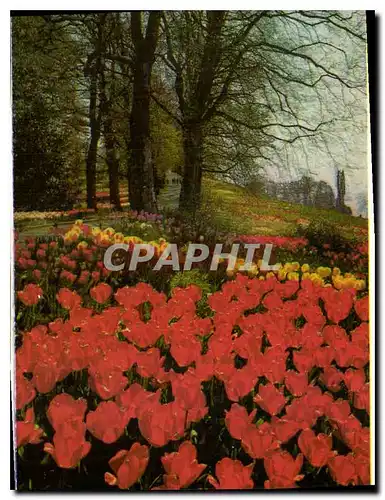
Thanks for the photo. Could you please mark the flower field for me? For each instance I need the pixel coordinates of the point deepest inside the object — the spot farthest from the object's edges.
(249, 380)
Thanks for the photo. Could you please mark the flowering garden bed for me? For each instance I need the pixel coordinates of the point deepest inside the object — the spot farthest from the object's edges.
(260, 382)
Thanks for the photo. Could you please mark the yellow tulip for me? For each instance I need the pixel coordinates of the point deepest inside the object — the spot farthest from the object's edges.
(323, 271)
(337, 281)
(110, 231)
(316, 279)
(71, 236)
(288, 267)
(253, 271)
(119, 237)
(360, 284)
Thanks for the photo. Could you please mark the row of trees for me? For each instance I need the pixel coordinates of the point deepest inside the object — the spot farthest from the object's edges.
(305, 191)
(200, 91)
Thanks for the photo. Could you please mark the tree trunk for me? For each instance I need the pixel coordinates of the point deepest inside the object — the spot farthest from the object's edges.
(112, 159)
(141, 174)
(93, 69)
(190, 195)
(112, 163)
(93, 145)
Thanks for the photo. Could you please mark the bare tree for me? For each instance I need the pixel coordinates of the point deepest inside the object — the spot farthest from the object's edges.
(197, 52)
(141, 175)
(92, 69)
(294, 57)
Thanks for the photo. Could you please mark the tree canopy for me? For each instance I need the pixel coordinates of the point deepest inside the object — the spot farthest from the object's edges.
(129, 96)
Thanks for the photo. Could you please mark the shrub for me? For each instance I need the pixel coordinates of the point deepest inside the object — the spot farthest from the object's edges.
(320, 232)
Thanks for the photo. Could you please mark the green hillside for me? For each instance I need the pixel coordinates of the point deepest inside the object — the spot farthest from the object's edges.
(238, 210)
(232, 209)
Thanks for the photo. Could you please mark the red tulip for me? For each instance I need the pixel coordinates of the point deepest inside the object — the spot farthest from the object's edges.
(241, 382)
(342, 469)
(259, 441)
(25, 391)
(107, 422)
(26, 432)
(232, 475)
(337, 303)
(362, 466)
(353, 434)
(323, 356)
(101, 293)
(360, 336)
(36, 273)
(182, 467)
(304, 360)
(69, 444)
(335, 336)
(84, 277)
(273, 301)
(284, 429)
(132, 399)
(95, 275)
(185, 350)
(188, 394)
(317, 449)
(160, 424)
(282, 469)
(106, 380)
(237, 420)
(354, 379)
(46, 373)
(306, 410)
(149, 363)
(68, 276)
(79, 316)
(311, 332)
(361, 307)
(63, 408)
(332, 378)
(361, 398)
(128, 466)
(296, 383)
(31, 295)
(68, 299)
(270, 399)
(339, 411)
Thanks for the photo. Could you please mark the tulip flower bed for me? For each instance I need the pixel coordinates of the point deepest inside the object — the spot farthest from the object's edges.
(262, 384)
(76, 259)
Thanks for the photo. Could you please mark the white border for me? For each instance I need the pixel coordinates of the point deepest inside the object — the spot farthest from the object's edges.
(6, 172)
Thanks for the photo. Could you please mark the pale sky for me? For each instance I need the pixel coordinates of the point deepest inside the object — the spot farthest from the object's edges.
(345, 143)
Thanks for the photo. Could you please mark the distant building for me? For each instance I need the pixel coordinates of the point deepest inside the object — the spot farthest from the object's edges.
(172, 178)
